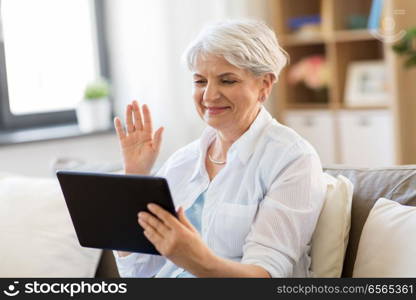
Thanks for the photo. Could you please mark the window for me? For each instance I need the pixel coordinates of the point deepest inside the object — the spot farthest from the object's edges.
(49, 51)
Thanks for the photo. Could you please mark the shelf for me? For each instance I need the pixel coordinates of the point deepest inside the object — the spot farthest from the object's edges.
(341, 46)
(294, 9)
(349, 52)
(298, 40)
(381, 107)
(353, 35)
(342, 10)
(305, 105)
(299, 93)
(335, 36)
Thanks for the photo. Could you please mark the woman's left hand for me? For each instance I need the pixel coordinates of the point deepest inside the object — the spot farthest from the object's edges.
(176, 239)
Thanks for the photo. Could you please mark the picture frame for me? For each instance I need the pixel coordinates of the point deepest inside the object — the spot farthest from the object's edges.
(366, 84)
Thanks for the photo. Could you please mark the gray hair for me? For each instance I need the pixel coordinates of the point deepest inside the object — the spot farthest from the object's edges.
(246, 44)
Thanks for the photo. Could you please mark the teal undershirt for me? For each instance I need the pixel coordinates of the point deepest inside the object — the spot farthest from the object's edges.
(194, 215)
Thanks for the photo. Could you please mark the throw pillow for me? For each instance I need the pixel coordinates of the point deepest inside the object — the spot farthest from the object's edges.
(330, 239)
(387, 244)
(36, 232)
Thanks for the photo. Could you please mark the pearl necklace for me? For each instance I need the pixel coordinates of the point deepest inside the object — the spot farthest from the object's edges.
(216, 161)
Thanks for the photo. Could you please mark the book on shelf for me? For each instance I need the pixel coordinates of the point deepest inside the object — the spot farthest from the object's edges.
(376, 14)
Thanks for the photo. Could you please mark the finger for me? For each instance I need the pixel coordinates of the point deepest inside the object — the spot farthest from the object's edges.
(119, 128)
(129, 121)
(146, 226)
(157, 139)
(152, 236)
(163, 215)
(138, 124)
(154, 222)
(184, 220)
(147, 124)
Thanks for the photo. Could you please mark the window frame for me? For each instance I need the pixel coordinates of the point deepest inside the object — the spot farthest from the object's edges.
(8, 121)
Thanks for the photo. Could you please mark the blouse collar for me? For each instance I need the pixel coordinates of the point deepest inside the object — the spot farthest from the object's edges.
(243, 147)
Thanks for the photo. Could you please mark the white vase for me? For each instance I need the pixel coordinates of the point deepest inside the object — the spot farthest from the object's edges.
(94, 115)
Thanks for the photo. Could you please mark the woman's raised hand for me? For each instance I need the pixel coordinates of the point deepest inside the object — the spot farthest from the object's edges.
(139, 146)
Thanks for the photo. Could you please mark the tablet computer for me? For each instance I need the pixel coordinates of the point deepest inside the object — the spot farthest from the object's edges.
(103, 208)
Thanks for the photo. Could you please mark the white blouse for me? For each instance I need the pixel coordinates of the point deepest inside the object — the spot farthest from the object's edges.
(260, 209)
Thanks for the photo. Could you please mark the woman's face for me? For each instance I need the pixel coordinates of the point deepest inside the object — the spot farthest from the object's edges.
(227, 97)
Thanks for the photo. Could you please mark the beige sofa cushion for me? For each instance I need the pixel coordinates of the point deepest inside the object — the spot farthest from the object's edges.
(387, 246)
(36, 232)
(330, 239)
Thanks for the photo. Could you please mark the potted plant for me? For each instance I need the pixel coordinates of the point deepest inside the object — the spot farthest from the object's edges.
(94, 111)
(407, 47)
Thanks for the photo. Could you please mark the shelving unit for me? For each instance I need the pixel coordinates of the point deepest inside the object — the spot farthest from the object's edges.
(342, 46)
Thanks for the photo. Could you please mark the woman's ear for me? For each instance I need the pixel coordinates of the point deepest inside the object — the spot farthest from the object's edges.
(267, 84)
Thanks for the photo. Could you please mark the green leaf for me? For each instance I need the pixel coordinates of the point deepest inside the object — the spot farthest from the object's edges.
(407, 47)
(410, 62)
(97, 90)
(401, 47)
(412, 32)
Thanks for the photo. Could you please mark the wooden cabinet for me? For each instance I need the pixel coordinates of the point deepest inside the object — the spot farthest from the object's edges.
(363, 138)
(317, 127)
(366, 138)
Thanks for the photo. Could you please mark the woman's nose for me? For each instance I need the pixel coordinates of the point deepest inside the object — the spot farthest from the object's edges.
(211, 92)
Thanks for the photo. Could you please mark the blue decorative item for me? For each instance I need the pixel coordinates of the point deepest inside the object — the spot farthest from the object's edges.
(357, 22)
(298, 22)
(375, 14)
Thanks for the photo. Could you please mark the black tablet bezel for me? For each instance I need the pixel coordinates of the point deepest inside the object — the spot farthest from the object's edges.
(104, 206)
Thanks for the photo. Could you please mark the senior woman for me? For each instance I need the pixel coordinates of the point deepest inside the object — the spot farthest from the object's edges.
(249, 190)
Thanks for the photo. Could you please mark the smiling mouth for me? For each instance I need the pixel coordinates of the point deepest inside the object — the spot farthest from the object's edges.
(216, 110)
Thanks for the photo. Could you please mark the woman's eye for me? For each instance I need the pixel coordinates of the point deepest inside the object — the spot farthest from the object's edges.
(199, 81)
(229, 81)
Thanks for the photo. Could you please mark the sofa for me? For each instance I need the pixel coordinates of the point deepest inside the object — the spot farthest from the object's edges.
(33, 215)
(370, 184)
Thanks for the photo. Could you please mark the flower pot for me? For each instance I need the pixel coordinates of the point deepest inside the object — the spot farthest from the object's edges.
(94, 115)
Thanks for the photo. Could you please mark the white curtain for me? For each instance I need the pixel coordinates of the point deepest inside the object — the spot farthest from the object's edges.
(146, 42)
